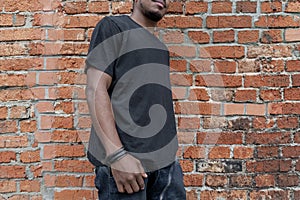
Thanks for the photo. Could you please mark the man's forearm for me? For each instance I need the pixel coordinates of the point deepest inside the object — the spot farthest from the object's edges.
(102, 118)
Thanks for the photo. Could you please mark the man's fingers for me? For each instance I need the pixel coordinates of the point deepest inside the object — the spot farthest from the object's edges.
(141, 182)
(135, 186)
(120, 188)
(128, 188)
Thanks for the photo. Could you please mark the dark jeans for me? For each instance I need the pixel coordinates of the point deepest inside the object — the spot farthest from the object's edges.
(162, 184)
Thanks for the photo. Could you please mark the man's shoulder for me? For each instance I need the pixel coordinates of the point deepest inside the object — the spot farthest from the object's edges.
(119, 20)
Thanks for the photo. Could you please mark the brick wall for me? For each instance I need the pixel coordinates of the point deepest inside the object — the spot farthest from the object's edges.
(236, 77)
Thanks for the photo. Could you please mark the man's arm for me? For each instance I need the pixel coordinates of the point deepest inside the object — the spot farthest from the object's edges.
(128, 171)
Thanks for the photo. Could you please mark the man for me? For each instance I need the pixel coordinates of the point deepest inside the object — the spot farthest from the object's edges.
(133, 140)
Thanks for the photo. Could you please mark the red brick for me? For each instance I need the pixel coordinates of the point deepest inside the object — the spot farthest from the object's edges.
(182, 51)
(98, 7)
(75, 7)
(197, 108)
(284, 108)
(194, 152)
(193, 7)
(121, 7)
(19, 112)
(256, 109)
(246, 7)
(265, 180)
(292, 6)
(219, 138)
(219, 152)
(180, 22)
(222, 52)
(223, 36)
(179, 93)
(241, 152)
(64, 107)
(56, 151)
(7, 20)
(73, 166)
(221, 95)
(297, 137)
(267, 152)
(178, 65)
(296, 80)
(228, 22)
(199, 94)
(288, 122)
(216, 181)
(7, 186)
(200, 65)
(291, 152)
(191, 195)
(64, 63)
(30, 186)
(186, 137)
(188, 123)
(175, 37)
(17, 64)
(181, 79)
(214, 122)
(66, 35)
(288, 180)
(271, 7)
(186, 165)
(231, 194)
(28, 126)
(247, 65)
(292, 94)
(263, 123)
(12, 49)
(221, 7)
(74, 194)
(89, 181)
(248, 36)
(21, 34)
(274, 51)
(272, 36)
(199, 37)
(234, 109)
(268, 138)
(277, 21)
(30, 156)
(245, 95)
(13, 141)
(193, 180)
(175, 7)
(272, 194)
(267, 80)
(270, 95)
(268, 166)
(7, 156)
(293, 65)
(63, 180)
(217, 80)
(240, 181)
(84, 122)
(12, 171)
(81, 21)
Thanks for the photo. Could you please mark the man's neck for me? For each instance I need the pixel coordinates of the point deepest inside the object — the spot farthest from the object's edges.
(142, 20)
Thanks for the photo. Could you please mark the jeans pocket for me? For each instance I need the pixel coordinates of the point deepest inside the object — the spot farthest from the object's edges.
(101, 177)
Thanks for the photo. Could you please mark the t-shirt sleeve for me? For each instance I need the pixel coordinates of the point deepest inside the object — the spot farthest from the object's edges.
(104, 46)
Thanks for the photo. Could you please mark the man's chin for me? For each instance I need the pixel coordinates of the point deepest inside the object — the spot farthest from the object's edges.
(154, 16)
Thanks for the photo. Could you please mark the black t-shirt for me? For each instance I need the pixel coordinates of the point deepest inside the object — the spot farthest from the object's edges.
(140, 91)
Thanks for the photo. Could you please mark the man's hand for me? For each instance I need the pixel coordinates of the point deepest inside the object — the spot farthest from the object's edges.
(129, 174)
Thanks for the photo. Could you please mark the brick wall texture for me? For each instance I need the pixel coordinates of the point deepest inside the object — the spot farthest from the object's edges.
(235, 72)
